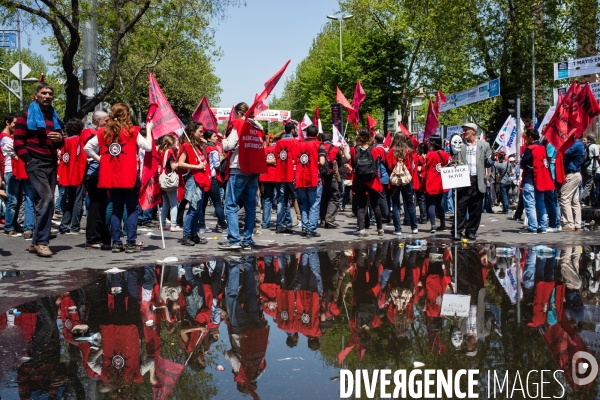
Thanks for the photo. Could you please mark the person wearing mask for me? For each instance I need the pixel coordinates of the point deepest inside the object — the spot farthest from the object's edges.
(568, 197)
(247, 161)
(119, 143)
(435, 160)
(16, 181)
(477, 155)
(366, 184)
(37, 137)
(97, 235)
(166, 155)
(286, 152)
(214, 161)
(536, 181)
(311, 155)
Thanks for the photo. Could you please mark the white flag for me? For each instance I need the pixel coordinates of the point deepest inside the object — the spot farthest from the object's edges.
(509, 135)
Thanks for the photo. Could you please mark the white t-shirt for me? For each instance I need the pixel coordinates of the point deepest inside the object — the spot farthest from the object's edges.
(7, 151)
(594, 152)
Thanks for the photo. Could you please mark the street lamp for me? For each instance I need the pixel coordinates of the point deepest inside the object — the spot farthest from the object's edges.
(341, 20)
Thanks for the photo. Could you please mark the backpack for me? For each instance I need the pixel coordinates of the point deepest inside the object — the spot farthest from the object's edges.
(587, 159)
(327, 170)
(383, 173)
(365, 169)
(400, 175)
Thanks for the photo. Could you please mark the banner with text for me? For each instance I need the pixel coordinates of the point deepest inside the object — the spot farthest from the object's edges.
(594, 86)
(481, 92)
(222, 114)
(455, 177)
(579, 67)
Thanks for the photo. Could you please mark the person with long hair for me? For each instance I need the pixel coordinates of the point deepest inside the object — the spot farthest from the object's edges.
(197, 180)
(436, 159)
(368, 189)
(419, 182)
(401, 152)
(213, 156)
(119, 143)
(166, 155)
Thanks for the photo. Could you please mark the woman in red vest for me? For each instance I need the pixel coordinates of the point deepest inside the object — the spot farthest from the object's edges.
(436, 159)
(166, 155)
(419, 182)
(213, 157)
(197, 180)
(267, 180)
(400, 151)
(119, 143)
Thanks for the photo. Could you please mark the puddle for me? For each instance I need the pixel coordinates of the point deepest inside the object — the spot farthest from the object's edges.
(285, 325)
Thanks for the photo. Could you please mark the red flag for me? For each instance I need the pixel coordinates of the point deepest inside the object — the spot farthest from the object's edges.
(432, 123)
(167, 373)
(260, 105)
(340, 98)
(269, 86)
(388, 140)
(151, 112)
(165, 119)
(404, 130)
(317, 116)
(204, 115)
(359, 96)
(372, 123)
(230, 121)
(149, 194)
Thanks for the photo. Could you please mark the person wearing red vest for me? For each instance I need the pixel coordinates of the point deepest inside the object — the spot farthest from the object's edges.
(168, 164)
(97, 235)
(550, 196)
(71, 168)
(536, 181)
(286, 153)
(15, 179)
(268, 182)
(400, 151)
(309, 187)
(119, 142)
(197, 181)
(436, 159)
(419, 182)
(247, 161)
(213, 163)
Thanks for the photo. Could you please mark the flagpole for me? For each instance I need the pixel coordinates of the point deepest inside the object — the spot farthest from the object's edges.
(162, 232)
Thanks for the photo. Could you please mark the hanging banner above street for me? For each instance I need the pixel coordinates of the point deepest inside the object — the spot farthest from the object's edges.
(579, 67)
(222, 114)
(481, 92)
(595, 86)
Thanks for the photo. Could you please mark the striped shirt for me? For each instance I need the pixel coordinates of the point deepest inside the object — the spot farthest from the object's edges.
(35, 144)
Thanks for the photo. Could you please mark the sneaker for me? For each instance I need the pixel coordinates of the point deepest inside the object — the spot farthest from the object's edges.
(363, 233)
(284, 230)
(415, 231)
(442, 229)
(313, 234)
(187, 241)
(568, 228)
(175, 228)
(117, 248)
(71, 233)
(433, 230)
(132, 248)
(527, 232)
(380, 232)
(198, 240)
(229, 246)
(552, 230)
(246, 247)
(331, 225)
(13, 234)
(541, 231)
(43, 250)
(397, 233)
(27, 235)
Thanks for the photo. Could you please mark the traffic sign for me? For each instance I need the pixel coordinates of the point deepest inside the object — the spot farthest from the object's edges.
(14, 84)
(8, 40)
(25, 70)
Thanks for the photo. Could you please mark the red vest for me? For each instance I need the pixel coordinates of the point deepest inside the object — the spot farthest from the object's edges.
(121, 345)
(286, 151)
(286, 311)
(210, 149)
(436, 160)
(118, 161)
(269, 176)
(542, 177)
(70, 166)
(251, 147)
(202, 177)
(307, 164)
(308, 306)
(331, 153)
(18, 169)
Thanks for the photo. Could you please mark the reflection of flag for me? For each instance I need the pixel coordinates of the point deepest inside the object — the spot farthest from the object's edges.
(149, 194)
(204, 115)
(269, 86)
(166, 121)
(167, 373)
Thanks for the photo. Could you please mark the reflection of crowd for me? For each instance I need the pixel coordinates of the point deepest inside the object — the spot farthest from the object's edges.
(115, 328)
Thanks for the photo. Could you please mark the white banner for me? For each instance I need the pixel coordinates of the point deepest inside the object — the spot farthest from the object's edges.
(455, 304)
(222, 114)
(455, 177)
(508, 135)
(594, 86)
(579, 67)
(481, 92)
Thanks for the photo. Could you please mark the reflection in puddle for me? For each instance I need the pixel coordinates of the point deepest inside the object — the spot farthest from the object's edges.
(287, 323)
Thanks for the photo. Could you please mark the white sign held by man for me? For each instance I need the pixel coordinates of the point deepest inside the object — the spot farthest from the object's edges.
(455, 177)
(455, 304)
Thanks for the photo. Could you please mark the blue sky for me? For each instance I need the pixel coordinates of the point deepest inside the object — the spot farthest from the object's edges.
(256, 40)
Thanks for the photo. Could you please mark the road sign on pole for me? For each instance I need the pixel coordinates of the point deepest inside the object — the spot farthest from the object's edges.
(8, 40)
(25, 70)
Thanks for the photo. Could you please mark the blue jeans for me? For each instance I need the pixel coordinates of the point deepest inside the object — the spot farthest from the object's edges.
(408, 197)
(535, 208)
(215, 195)
(59, 202)
(504, 196)
(284, 189)
(241, 317)
(597, 186)
(124, 199)
(553, 208)
(448, 201)
(13, 191)
(242, 187)
(310, 203)
(270, 199)
(72, 207)
(145, 216)
(191, 220)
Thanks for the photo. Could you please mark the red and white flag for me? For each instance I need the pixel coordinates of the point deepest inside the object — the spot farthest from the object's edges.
(269, 86)
(305, 123)
(317, 119)
(164, 118)
(204, 115)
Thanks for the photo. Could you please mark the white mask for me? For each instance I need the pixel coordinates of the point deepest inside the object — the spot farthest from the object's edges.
(456, 144)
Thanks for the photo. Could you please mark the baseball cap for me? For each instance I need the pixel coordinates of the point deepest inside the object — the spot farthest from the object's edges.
(511, 159)
(470, 125)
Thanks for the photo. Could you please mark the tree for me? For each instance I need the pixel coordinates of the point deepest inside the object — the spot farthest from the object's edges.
(120, 20)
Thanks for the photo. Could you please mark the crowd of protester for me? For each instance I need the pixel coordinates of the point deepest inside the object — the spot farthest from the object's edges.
(53, 170)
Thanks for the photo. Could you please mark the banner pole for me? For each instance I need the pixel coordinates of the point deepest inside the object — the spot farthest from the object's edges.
(162, 233)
